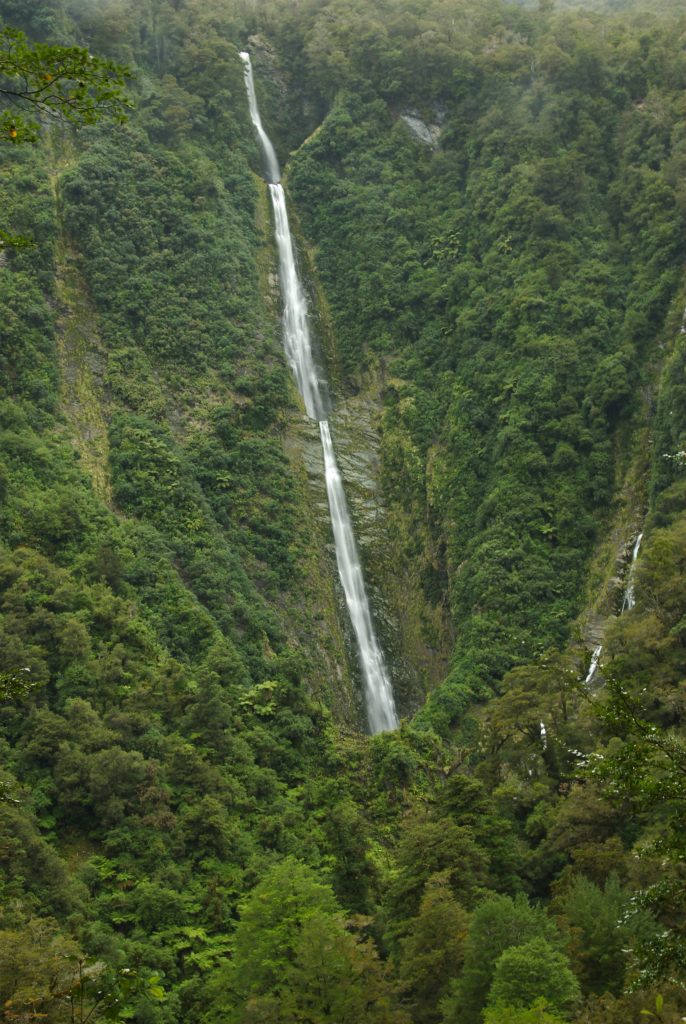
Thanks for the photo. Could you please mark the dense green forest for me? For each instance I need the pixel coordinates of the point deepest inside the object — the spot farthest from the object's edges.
(490, 207)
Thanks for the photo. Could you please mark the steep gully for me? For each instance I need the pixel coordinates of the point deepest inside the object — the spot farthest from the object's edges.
(381, 711)
(628, 602)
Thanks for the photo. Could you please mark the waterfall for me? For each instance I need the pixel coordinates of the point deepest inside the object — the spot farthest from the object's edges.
(296, 331)
(380, 706)
(381, 711)
(268, 152)
(627, 604)
(593, 667)
(629, 599)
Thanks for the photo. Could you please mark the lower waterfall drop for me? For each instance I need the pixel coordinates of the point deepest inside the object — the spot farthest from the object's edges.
(381, 713)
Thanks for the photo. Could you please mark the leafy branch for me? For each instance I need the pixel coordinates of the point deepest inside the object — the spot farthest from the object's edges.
(63, 82)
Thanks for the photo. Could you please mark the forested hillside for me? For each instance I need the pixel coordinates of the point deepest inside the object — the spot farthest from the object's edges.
(490, 205)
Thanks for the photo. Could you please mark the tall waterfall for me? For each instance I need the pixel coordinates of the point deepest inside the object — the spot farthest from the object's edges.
(381, 711)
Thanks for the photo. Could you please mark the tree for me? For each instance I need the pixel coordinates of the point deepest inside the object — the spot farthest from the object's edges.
(337, 978)
(67, 83)
(601, 928)
(63, 82)
(428, 848)
(44, 976)
(498, 924)
(537, 1013)
(645, 765)
(37, 971)
(433, 952)
(526, 973)
(295, 961)
(16, 685)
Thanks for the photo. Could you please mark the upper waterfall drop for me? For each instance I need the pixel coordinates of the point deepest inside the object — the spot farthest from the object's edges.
(381, 712)
(296, 331)
(272, 163)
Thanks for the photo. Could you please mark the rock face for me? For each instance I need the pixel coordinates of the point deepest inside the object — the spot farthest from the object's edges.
(428, 134)
(403, 620)
(401, 614)
(357, 447)
(265, 57)
(415, 636)
(289, 115)
(395, 602)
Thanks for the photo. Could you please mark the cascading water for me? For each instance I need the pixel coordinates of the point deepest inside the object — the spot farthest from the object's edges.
(381, 711)
(268, 152)
(296, 331)
(593, 667)
(380, 704)
(629, 598)
(627, 604)
(544, 735)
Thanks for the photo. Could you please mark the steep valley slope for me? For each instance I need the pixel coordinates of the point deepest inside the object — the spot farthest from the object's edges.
(488, 201)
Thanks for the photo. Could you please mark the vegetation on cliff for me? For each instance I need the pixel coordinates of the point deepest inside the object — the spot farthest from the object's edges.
(187, 831)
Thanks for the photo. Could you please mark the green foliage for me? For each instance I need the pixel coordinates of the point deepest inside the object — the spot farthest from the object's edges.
(602, 927)
(63, 81)
(498, 924)
(172, 797)
(150, 636)
(272, 919)
(645, 766)
(525, 973)
(15, 685)
(293, 960)
(39, 970)
(670, 424)
(429, 850)
(433, 949)
(502, 288)
(45, 976)
(537, 1013)
(66, 83)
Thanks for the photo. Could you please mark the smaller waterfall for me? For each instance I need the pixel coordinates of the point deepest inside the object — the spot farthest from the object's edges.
(627, 604)
(593, 667)
(629, 599)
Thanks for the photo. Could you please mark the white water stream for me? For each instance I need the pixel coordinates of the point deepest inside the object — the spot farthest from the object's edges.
(593, 667)
(381, 711)
(629, 598)
(268, 152)
(627, 604)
